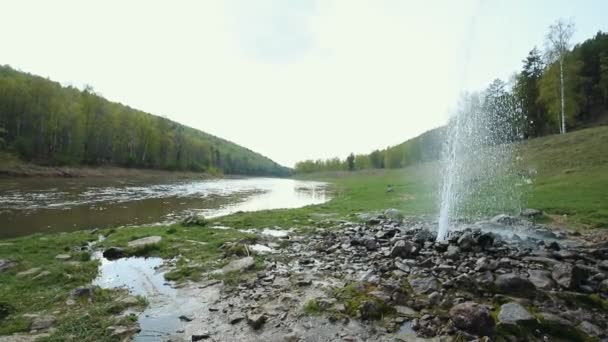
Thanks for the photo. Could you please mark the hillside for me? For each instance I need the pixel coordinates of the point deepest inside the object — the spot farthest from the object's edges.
(569, 176)
(44, 123)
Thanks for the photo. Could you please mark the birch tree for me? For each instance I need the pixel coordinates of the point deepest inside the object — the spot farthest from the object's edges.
(557, 46)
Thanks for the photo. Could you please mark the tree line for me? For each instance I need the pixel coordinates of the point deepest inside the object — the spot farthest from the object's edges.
(46, 123)
(559, 89)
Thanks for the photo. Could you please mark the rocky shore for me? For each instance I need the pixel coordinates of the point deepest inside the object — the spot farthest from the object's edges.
(387, 279)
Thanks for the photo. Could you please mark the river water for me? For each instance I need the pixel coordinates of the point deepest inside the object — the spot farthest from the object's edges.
(30, 205)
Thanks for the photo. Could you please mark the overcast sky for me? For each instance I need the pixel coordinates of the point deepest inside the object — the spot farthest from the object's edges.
(289, 79)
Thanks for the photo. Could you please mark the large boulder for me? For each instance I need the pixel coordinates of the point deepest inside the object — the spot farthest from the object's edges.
(514, 313)
(472, 317)
(404, 249)
(514, 284)
(568, 276)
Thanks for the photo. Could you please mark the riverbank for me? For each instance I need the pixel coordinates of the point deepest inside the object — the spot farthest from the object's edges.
(378, 276)
(19, 169)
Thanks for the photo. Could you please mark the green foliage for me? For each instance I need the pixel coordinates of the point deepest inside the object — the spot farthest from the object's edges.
(46, 123)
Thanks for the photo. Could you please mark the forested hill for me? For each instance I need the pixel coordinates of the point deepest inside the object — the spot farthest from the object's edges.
(533, 93)
(45, 123)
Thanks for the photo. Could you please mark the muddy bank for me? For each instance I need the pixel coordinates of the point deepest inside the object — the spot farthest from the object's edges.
(32, 170)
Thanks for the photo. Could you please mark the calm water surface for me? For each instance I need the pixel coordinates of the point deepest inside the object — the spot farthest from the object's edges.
(30, 205)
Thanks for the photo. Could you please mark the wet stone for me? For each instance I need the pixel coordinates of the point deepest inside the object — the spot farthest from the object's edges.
(424, 285)
(239, 265)
(472, 318)
(514, 313)
(113, 253)
(515, 285)
(199, 336)
(256, 320)
(541, 279)
(567, 275)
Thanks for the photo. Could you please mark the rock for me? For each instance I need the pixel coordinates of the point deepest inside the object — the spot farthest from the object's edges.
(425, 235)
(199, 336)
(234, 319)
(541, 279)
(113, 253)
(472, 318)
(393, 214)
(530, 213)
(149, 240)
(370, 244)
(63, 257)
(514, 313)
(186, 318)
(549, 317)
(435, 298)
(256, 320)
(6, 265)
(486, 264)
(31, 271)
(603, 287)
(239, 265)
(466, 241)
(122, 331)
(513, 284)
(567, 275)
(604, 265)
(42, 323)
(369, 310)
(505, 219)
(83, 291)
(130, 301)
(424, 285)
(591, 329)
(406, 311)
(194, 220)
(41, 275)
(452, 252)
(404, 249)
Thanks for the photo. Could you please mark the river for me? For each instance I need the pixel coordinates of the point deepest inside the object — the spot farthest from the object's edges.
(31, 205)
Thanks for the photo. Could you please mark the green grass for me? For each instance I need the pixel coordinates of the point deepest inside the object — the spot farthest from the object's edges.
(47, 294)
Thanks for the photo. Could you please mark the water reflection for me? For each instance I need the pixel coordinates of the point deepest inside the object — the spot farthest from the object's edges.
(34, 205)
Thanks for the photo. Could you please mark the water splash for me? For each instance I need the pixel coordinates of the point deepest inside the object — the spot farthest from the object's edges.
(479, 174)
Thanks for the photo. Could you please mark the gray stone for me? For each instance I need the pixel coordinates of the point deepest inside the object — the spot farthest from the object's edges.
(6, 265)
(514, 313)
(603, 265)
(234, 319)
(122, 331)
(63, 257)
(42, 323)
(425, 235)
(486, 264)
(239, 265)
(256, 320)
(513, 284)
(453, 252)
(504, 219)
(604, 286)
(404, 249)
(591, 329)
(41, 275)
(199, 336)
(369, 310)
(567, 275)
(531, 213)
(472, 318)
(406, 311)
(541, 279)
(149, 240)
(29, 272)
(393, 214)
(549, 317)
(83, 291)
(370, 244)
(424, 285)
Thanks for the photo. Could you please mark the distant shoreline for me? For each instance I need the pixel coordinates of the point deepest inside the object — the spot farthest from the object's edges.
(32, 170)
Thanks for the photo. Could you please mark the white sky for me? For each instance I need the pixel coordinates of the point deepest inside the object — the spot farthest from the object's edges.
(289, 79)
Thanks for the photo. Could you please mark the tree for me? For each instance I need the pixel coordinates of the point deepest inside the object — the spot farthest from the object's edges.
(526, 93)
(350, 160)
(558, 45)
